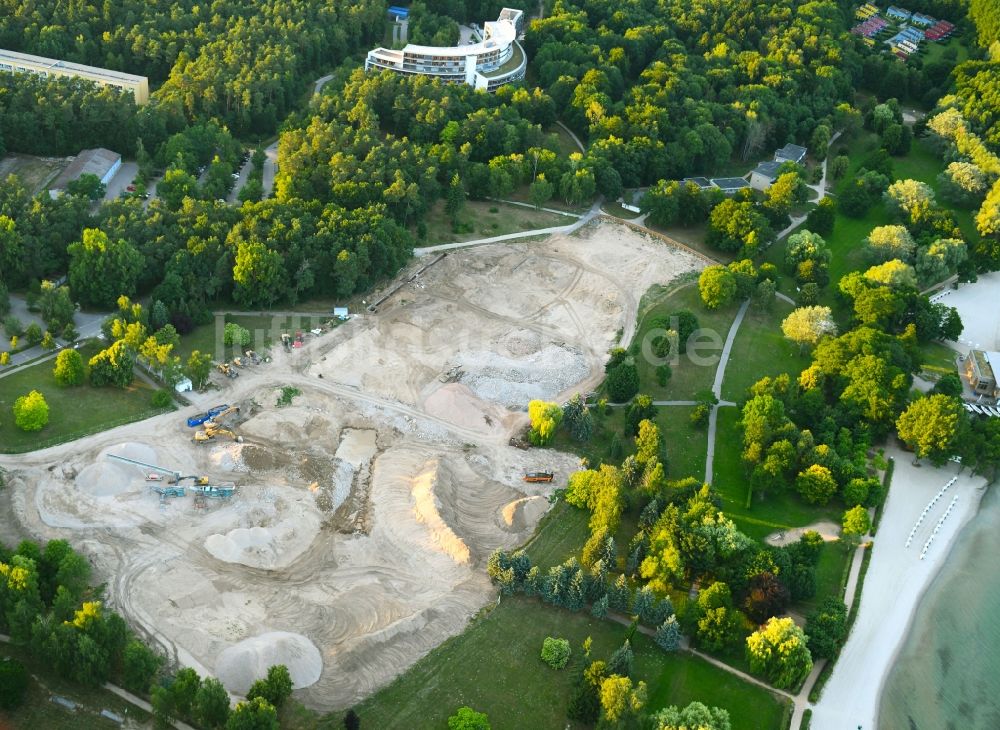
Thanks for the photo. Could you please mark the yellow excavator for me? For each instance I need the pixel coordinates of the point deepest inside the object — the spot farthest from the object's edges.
(212, 428)
(210, 431)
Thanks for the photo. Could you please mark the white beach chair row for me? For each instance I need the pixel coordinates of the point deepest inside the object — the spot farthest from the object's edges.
(940, 295)
(928, 508)
(937, 527)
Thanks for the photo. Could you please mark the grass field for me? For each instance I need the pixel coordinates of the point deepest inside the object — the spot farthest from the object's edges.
(759, 350)
(73, 412)
(694, 236)
(38, 710)
(778, 510)
(486, 219)
(494, 667)
(689, 377)
(686, 445)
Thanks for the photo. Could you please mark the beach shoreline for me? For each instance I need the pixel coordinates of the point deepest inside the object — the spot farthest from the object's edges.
(896, 583)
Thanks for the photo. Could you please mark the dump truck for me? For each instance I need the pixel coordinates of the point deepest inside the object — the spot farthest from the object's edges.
(539, 476)
(209, 414)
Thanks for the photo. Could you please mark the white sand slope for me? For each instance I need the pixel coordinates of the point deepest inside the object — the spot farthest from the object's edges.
(241, 665)
(895, 582)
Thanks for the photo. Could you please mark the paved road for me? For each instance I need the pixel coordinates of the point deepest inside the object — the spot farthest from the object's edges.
(720, 373)
(244, 172)
(521, 204)
(321, 82)
(270, 168)
(88, 325)
(820, 190)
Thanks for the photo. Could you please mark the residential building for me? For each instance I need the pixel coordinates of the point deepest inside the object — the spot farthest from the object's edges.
(764, 175)
(791, 153)
(45, 67)
(100, 162)
(703, 183)
(496, 60)
(729, 185)
(981, 370)
(898, 13)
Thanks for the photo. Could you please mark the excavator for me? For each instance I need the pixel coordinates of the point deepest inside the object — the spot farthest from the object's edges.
(226, 369)
(209, 432)
(212, 428)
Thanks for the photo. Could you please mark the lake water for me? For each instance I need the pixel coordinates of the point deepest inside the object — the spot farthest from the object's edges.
(947, 676)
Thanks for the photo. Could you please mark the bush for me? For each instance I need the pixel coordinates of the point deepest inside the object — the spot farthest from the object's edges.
(663, 375)
(700, 414)
(13, 326)
(13, 684)
(31, 412)
(234, 334)
(69, 369)
(555, 652)
(33, 334)
(162, 398)
(69, 333)
(468, 719)
(622, 382)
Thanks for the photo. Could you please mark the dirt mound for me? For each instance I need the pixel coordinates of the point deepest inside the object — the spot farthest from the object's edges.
(524, 513)
(107, 477)
(273, 535)
(427, 510)
(241, 665)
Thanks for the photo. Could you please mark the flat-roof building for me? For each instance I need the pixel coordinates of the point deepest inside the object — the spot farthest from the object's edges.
(100, 162)
(981, 370)
(729, 185)
(496, 60)
(791, 153)
(26, 63)
(703, 183)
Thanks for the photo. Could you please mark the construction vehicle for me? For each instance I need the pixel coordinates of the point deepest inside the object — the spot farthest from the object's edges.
(166, 492)
(225, 369)
(299, 339)
(211, 431)
(214, 492)
(173, 477)
(286, 341)
(217, 418)
(238, 362)
(253, 357)
(209, 414)
(519, 443)
(539, 476)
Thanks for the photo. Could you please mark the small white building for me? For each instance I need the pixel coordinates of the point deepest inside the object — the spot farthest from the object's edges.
(341, 313)
(184, 385)
(764, 175)
(791, 153)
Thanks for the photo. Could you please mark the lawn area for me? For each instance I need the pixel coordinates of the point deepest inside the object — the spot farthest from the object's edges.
(779, 510)
(483, 219)
(38, 710)
(689, 377)
(564, 142)
(561, 534)
(759, 350)
(938, 356)
(618, 211)
(73, 412)
(694, 236)
(598, 449)
(830, 574)
(496, 659)
(686, 445)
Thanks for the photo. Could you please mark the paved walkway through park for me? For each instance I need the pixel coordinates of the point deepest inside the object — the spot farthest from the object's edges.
(720, 373)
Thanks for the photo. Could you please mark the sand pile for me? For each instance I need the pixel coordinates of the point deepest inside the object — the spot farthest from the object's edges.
(273, 535)
(242, 664)
(427, 510)
(524, 513)
(107, 477)
(228, 457)
(242, 545)
(457, 404)
(513, 381)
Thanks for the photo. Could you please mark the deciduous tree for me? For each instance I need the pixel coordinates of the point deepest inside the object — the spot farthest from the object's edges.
(930, 426)
(779, 652)
(31, 412)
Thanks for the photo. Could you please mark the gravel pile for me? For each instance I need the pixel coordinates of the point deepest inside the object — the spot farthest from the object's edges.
(512, 382)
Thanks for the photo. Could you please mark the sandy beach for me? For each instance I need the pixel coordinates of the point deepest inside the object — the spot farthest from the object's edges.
(896, 580)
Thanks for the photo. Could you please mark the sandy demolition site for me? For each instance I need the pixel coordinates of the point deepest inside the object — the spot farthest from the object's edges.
(363, 513)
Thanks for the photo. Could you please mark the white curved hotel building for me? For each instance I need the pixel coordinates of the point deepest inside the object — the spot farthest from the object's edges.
(496, 60)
